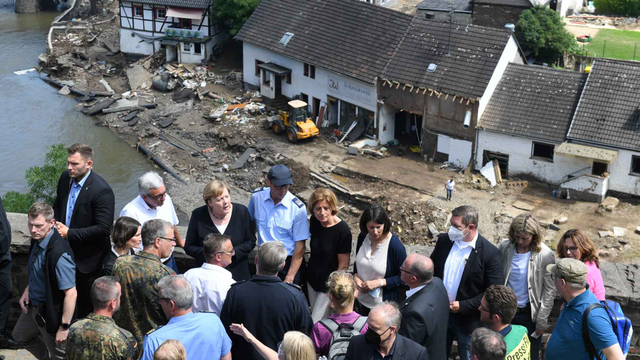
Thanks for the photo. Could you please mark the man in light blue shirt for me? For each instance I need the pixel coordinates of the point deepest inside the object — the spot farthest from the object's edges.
(279, 215)
(74, 190)
(202, 334)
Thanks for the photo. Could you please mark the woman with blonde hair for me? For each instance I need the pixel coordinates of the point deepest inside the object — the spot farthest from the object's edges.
(524, 262)
(575, 244)
(220, 216)
(330, 249)
(294, 345)
(342, 294)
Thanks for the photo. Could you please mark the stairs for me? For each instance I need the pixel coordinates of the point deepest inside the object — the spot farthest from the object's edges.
(279, 103)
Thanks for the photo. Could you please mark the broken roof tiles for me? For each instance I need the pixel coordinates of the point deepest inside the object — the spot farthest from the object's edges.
(608, 112)
(534, 101)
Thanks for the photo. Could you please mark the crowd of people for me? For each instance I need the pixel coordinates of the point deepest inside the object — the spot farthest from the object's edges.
(100, 289)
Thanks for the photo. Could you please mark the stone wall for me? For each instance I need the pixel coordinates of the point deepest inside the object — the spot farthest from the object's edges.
(495, 16)
(27, 6)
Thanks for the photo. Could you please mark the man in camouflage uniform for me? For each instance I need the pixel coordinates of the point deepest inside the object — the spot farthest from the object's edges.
(98, 337)
(139, 274)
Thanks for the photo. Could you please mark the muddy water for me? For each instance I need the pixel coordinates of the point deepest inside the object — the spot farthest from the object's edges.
(33, 116)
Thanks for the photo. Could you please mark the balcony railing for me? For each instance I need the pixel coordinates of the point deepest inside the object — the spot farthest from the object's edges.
(184, 33)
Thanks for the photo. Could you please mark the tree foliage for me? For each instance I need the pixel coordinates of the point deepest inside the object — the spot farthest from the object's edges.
(618, 7)
(42, 181)
(542, 31)
(234, 13)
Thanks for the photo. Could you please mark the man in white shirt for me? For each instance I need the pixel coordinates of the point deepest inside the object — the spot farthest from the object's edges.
(451, 185)
(468, 264)
(154, 203)
(212, 281)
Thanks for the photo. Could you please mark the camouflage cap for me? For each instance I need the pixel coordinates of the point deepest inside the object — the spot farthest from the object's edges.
(571, 270)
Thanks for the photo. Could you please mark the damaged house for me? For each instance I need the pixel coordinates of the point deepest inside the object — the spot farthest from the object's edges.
(580, 132)
(183, 28)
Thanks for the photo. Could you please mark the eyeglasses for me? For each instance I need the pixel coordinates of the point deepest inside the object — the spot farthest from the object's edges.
(483, 309)
(572, 249)
(230, 253)
(168, 239)
(165, 299)
(158, 197)
(405, 271)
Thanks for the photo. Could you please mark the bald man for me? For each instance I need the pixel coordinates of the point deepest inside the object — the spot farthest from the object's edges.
(425, 312)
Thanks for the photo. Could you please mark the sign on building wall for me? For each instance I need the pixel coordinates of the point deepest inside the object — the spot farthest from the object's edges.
(350, 90)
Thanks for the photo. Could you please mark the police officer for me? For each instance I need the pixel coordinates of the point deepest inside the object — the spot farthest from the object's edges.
(279, 215)
(266, 306)
(98, 336)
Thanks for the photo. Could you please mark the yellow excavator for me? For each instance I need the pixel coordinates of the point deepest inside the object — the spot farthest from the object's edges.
(296, 122)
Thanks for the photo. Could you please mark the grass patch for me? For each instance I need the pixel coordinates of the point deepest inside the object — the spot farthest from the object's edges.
(619, 44)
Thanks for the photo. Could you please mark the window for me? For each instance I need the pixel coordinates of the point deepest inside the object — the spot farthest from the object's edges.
(136, 10)
(288, 78)
(542, 151)
(285, 38)
(599, 168)
(635, 165)
(186, 47)
(258, 62)
(304, 97)
(429, 16)
(161, 13)
(185, 23)
(197, 49)
(309, 71)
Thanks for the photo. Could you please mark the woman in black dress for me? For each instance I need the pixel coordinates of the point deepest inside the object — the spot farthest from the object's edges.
(220, 216)
(330, 249)
(126, 235)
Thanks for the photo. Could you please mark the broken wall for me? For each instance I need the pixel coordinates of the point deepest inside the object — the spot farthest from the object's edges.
(586, 187)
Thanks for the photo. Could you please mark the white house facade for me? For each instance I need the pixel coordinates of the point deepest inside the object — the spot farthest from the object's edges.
(183, 28)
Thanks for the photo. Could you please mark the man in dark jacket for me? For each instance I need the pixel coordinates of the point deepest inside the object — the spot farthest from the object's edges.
(266, 306)
(425, 312)
(49, 300)
(468, 264)
(6, 285)
(382, 341)
(84, 210)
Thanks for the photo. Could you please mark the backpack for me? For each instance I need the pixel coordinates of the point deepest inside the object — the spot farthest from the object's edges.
(620, 324)
(341, 334)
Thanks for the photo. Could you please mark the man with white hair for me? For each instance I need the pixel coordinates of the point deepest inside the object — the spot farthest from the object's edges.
(154, 203)
(202, 334)
(382, 341)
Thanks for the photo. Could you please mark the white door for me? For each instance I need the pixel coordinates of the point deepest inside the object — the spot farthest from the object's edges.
(267, 83)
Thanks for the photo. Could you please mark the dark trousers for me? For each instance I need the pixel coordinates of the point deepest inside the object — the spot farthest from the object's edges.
(454, 331)
(299, 278)
(83, 287)
(361, 309)
(524, 319)
(6, 286)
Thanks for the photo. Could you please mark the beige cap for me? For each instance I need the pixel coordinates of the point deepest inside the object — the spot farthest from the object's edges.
(571, 270)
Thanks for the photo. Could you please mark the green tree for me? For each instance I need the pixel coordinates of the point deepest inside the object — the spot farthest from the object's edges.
(42, 181)
(542, 31)
(234, 13)
(618, 7)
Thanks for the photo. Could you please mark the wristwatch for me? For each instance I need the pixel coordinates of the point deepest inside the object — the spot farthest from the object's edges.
(65, 326)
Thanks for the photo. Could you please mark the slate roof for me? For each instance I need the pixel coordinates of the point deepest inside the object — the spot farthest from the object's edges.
(461, 5)
(534, 101)
(518, 3)
(609, 110)
(475, 52)
(195, 4)
(349, 37)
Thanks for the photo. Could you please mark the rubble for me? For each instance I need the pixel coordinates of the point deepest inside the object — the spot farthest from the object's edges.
(608, 204)
(619, 231)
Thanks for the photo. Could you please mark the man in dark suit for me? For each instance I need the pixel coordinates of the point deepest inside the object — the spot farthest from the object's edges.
(425, 312)
(468, 264)
(381, 341)
(84, 210)
(6, 285)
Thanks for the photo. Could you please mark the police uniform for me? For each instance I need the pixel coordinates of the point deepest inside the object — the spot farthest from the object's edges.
(286, 222)
(140, 310)
(268, 308)
(201, 334)
(97, 337)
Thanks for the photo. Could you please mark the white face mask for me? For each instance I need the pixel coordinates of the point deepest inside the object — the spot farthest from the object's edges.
(455, 234)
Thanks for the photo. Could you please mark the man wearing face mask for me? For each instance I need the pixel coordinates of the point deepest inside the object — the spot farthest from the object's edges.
(381, 341)
(468, 264)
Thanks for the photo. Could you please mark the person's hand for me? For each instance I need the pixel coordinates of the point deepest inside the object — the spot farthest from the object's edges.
(240, 330)
(61, 336)
(289, 279)
(62, 229)
(359, 284)
(454, 307)
(373, 284)
(539, 332)
(24, 301)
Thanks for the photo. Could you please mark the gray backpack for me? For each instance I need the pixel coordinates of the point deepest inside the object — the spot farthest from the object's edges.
(341, 334)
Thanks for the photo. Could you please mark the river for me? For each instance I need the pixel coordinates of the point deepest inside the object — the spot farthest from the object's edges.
(33, 116)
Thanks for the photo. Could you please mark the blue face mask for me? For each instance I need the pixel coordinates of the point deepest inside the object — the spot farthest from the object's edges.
(455, 234)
